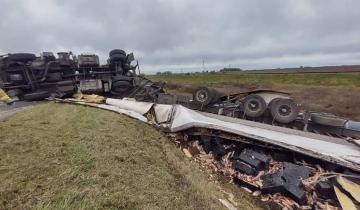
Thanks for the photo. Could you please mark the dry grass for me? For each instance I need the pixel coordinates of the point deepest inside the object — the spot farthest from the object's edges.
(57, 156)
(317, 79)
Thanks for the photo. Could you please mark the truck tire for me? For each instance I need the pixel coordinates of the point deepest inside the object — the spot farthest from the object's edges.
(284, 110)
(14, 93)
(53, 77)
(117, 51)
(143, 94)
(117, 58)
(22, 57)
(204, 96)
(254, 106)
(121, 78)
(120, 87)
(16, 77)
(36, 96)
(328, 120)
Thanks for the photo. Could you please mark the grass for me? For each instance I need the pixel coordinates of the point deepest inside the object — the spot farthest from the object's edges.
(323, 79)
(57, 156)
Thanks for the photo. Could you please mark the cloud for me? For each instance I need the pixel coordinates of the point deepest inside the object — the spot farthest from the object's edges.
(170, 34)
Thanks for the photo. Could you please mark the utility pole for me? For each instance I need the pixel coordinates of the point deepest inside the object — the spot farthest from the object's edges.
(203, 65)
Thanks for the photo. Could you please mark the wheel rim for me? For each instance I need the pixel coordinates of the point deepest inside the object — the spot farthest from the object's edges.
(201, 96)
(284, 110)
(253, 105)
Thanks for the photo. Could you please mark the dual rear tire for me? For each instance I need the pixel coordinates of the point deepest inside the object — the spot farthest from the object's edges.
(282, 110)
(117, 55)
(36, 96)
(22, 57)
(254, 106)
(121, 85)
(204, 96)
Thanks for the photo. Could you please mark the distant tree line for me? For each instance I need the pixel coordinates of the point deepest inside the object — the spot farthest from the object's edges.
(230, 69)
(201, 72)
(164, 73)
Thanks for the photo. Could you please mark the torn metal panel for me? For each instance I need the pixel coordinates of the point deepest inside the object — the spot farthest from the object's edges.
(178, 118)
(127, 112)
(163, 113)
(313, 145)
(123, 111)
(128, 104)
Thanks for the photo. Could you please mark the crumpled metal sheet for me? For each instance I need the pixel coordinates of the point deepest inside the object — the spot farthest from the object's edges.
(128, 104)
(127, 112)
(177, 118)
(344, 154)
(163, 113)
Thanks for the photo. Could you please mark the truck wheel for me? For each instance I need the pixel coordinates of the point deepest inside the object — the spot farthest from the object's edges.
(36, 96)
(16, 77)
(14, 92)
(121, 78)
(117, 58)
(284, 110)
(117, 51)
(203, 96)
(143, 94)
(254, 106)
(22, 57)
(328, 120)
(120, 87)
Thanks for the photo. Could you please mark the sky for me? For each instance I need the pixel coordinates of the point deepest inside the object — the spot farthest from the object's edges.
(189, 35)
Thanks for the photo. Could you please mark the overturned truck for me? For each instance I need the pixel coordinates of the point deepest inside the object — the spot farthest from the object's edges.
(262, 157)
(31, 77)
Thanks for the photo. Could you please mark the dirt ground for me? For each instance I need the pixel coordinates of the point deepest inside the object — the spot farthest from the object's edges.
(341, 101)
(58, 156)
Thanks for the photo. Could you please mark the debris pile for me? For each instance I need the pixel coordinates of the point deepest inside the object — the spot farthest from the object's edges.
(297, 170)
(292, 180)
(79, 96)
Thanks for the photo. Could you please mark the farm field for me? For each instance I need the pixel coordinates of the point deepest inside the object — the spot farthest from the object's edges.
(337, 93)
(58, 156)
(315, 79)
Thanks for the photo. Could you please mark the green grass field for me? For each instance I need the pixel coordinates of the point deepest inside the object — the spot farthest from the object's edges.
(58, 156)
(324, 79)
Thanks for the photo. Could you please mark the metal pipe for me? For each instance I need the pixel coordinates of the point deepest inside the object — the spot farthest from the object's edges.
(43, 78)
(93, 73)
(27, 75)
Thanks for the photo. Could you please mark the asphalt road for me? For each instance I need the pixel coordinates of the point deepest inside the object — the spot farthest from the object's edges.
(6, 110)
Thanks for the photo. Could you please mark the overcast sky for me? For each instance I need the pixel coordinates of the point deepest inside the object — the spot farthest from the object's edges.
(181, 34)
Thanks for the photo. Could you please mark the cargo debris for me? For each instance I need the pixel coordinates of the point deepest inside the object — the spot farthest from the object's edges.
(226, 145)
